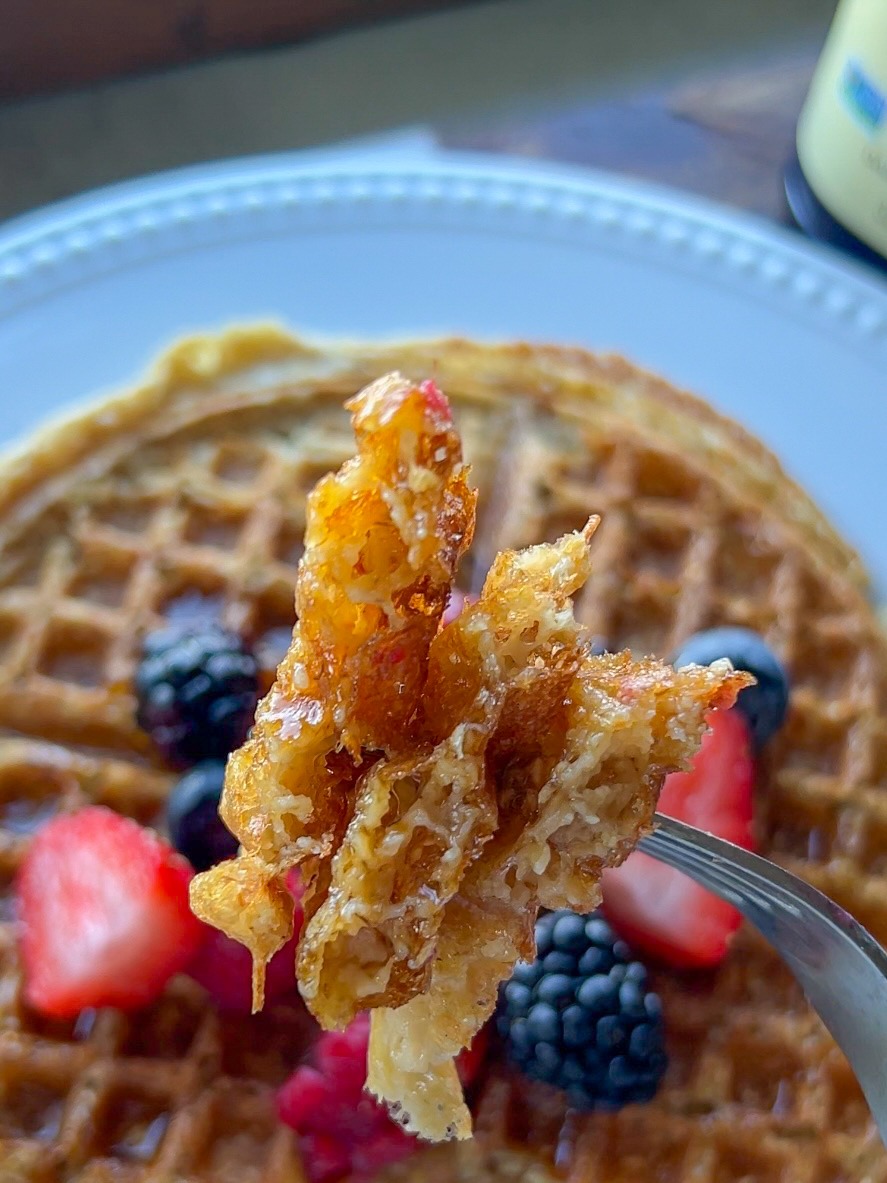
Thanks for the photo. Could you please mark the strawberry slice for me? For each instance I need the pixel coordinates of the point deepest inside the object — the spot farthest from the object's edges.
(659, 911)
(104, 915)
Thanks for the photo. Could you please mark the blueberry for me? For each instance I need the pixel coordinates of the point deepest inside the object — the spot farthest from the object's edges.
(192, 817)
(763, 705)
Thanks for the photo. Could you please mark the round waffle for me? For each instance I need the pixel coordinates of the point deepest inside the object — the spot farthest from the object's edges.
(186, 497)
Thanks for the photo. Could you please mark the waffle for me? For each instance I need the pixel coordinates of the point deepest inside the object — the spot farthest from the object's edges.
(186, 497)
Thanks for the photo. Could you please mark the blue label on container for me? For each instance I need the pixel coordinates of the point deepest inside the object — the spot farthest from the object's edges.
(862, 96)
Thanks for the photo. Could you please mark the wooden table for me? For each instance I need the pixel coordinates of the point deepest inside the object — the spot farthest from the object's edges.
(49, 44)
(725, 135)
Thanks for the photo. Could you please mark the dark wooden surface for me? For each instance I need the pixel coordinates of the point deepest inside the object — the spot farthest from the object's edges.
(46, 45)
(725, 134)
(725, 131)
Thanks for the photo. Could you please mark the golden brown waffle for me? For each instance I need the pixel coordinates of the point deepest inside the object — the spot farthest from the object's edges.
(188, 495)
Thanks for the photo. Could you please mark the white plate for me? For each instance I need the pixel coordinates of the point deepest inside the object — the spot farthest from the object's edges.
(787, 338)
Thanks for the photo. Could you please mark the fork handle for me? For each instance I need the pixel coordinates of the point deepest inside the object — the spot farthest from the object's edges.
(840, 967)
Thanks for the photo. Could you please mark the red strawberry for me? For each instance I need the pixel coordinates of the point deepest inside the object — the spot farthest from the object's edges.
(225, 967)
(660, 912)
(105, 921)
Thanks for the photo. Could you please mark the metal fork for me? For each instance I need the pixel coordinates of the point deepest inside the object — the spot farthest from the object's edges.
(841, 968)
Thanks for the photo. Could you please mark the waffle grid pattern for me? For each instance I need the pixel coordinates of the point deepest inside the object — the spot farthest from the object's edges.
(93, 1100)
(219, 534)
(210, 519)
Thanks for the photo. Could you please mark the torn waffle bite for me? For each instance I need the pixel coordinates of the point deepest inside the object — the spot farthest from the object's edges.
(436, 783)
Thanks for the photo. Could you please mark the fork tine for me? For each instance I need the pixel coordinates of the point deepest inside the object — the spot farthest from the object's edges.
(739, 885)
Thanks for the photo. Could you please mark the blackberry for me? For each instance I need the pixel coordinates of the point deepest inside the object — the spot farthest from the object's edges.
(581, 1018)
(192, 817)
(764, 705)
(197, 691)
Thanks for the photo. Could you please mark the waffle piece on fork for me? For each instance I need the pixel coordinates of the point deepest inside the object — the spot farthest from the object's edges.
(437, 785)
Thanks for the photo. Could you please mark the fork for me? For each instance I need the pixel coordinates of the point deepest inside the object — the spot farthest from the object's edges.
(840, 967)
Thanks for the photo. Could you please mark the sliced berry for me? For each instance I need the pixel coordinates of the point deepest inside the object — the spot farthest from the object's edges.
(104, 913)
(597, 1036)
(197, 691)
(192, 817)
(661, 912)
(764, 705)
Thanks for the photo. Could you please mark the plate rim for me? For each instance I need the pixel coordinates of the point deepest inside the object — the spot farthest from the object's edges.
(39, 248)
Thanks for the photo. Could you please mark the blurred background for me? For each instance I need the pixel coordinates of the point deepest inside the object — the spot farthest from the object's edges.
(702, 94)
